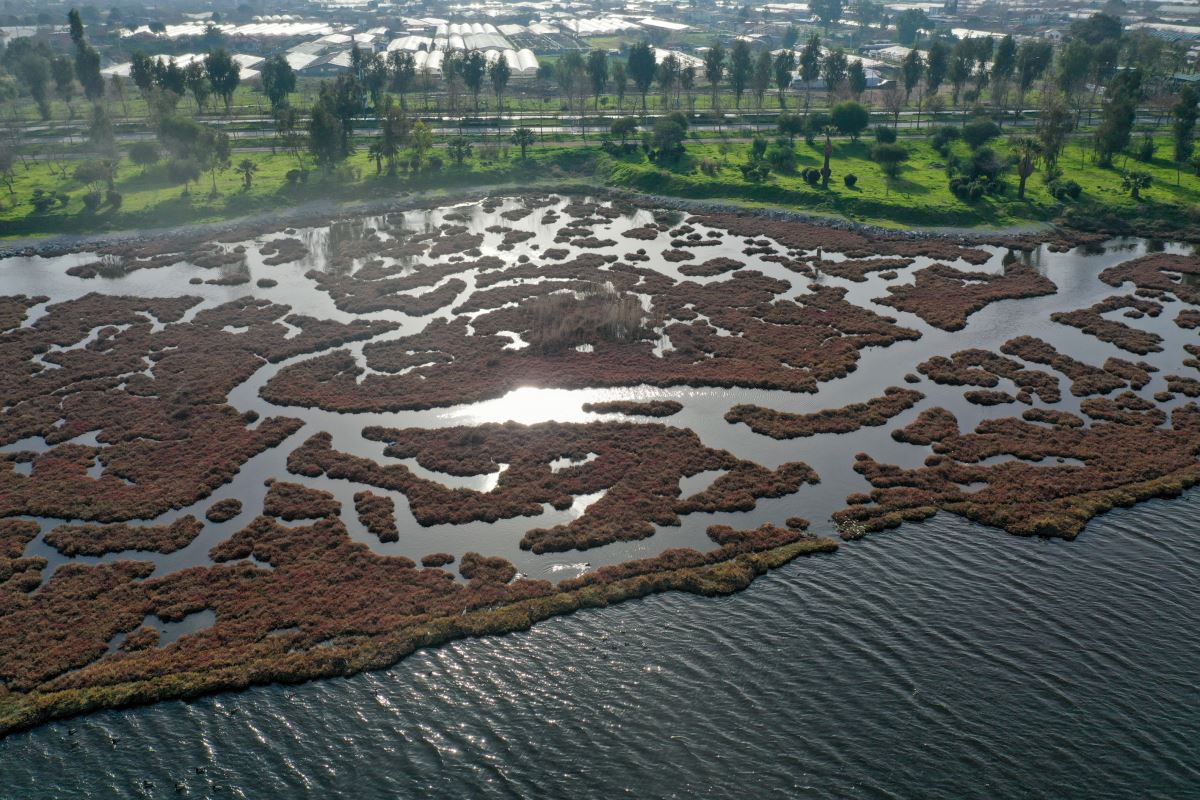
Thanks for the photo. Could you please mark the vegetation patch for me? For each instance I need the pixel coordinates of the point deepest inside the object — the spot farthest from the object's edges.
(782, 425)
(97, 540)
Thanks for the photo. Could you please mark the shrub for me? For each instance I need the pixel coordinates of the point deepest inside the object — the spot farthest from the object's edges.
(44, 199)
(781, 156)
(941, 138)
(811, 175)
(114, 199)
(758, 148)
(709, 166)
(889, 157)
(755, 171)
(884, 134)
(1145, 150)
(435, 163)
(1064, 190)
(850, 180)
(92, 201)
(979, 132)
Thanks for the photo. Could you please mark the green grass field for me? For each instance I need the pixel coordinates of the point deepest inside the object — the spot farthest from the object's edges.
(919, 196)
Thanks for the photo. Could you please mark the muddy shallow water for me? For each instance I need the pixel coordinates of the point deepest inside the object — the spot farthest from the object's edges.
(831, 455)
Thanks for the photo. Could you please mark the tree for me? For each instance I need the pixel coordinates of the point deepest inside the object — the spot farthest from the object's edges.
(213, 153)
(810, 67)
(784, 64)
(141, 71)
(889, 157)
(326, 141)
(760, 78)
(287, 128)
(1074, 67)
(1117, 116)
(524, 139)
(459, 150)
(1184, 127)
(1028, 151)
(246, 168)
(909, 25)
(642, 68)
(474, 67)
(394, 133)
(962, 58)
(850, 118)
(224, 74)
(624, 128)
(868, 13)
(87, 60)
(741, 69)
(937, 62)
(714, 68)
(403, 65)
(856, 79)
(1033, 59)
(911, 71)
(33, 70)
(893, 101)
(828, 11)
(63, 72)
(183, 170)
(87, 69)
(570, 72)
(1096, 28)
(278, 80)
(790, 125)
(144, 154)
(669, 73)
(790, 37)
(1054, 125)
(499, 72)
(597, 70)
(376, 79)
(687, 80)
(1004, 63)
(100, 131)
(422, 140)
(669, 134)
(833, 68)
(7, 167)
(620, 80)
(1134, 182)
(197, 83)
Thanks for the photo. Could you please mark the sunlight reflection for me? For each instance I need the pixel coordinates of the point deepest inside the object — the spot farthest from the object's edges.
(530, 405)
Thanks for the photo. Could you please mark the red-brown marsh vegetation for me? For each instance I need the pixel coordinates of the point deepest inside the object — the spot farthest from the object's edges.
(96, 540)
(1135, 340)
(945, 297)
(637, 468)
(782, 425)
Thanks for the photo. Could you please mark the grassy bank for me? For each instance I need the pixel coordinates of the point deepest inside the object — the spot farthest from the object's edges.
(918, 196)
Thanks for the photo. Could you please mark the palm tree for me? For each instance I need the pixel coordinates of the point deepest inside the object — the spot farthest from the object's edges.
(375, 153)
(1028, 151)
(523, 138)
(246, 168)
(1134, 181)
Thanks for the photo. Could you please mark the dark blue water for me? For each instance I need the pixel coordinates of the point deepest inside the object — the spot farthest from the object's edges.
(943, 660)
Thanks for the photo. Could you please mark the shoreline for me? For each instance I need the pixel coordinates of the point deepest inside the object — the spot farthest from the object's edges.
(21, 711)
(316, 212)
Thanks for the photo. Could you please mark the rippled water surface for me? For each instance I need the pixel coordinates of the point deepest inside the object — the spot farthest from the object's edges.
(942, 660)
(939, 661)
